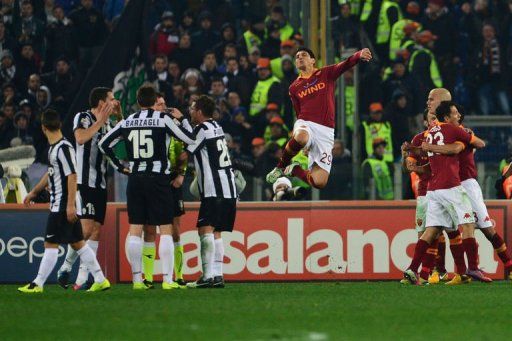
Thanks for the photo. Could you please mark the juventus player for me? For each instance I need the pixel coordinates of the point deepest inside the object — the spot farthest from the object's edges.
(217, 189)
(89, 127)
(149, 195)
(63, 225)
(312, 95)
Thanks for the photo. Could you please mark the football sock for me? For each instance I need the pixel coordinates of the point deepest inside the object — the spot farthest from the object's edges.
(178, 260)
(48, 262)
(93, 244)
(304, 175)
(71, 257)
(441, 254)
(419, 252)
(88, 258)
(166, 254)
(501, 250)
(207, 254)
(135, 257)
(457, 251)
(428, 261)
(471, 249)
(219, 257)
(148, 260)
(291, 149)
(83, 274)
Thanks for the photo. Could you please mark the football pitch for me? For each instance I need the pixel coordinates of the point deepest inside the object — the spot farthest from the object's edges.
(263, 311)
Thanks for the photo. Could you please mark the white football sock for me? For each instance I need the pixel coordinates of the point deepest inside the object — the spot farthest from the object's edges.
(219, 257)
(135, 257)
(149, 244)
(47, 264)
(166, 254)
(83, 271)
(88, 259)
(71, 257)
(207, 253)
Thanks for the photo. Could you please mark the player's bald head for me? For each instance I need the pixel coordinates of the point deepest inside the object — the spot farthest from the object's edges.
(437, 96)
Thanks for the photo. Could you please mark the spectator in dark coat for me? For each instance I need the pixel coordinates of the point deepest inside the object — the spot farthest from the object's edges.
(7, 43)
(345, 30)
(28, 28)
(238, 82)
(63, 82)
(185, 55)
(398, 113)
(90, 32)
(272, 45)
(59, 39)
(8, 70)
(26, 65)
(209, 68)
(206, 37)
(228, 36)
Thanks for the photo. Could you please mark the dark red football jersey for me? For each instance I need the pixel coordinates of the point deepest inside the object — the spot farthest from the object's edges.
(467, 166)
(445, 168)
(422, 160)
(313, 97)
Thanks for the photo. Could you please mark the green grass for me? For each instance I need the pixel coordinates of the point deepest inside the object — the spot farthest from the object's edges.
(263, 311)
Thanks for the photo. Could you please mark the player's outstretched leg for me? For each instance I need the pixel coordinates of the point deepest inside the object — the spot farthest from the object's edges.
(420, 250)
(471, 248)
(298, 141)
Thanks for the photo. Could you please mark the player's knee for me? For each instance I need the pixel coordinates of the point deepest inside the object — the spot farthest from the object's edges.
(489, 232)
(301, 136)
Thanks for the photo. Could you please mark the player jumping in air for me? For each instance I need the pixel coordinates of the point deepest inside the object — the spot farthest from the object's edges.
(312, 95)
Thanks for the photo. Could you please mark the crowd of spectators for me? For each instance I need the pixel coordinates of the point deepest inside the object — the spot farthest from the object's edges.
(242, 54)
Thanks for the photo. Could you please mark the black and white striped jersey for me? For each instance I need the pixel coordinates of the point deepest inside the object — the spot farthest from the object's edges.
(215, 174)
(91, 163)
(61, 159)
(147, 134)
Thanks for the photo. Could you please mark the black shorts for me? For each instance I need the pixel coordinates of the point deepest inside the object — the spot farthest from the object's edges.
(93, 203)
(60, 231)
(217, 212)
(149, 200)
(177, 197)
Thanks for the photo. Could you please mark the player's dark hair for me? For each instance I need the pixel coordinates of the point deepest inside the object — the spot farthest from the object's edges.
(206, 105)
(50, 119)
(425, 115)
(461, 111)
(98, 94)
(146, 96)
(159, 94)
(309, 51)
(444, 109)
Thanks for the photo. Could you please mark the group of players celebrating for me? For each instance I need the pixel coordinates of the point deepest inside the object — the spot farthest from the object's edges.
(157, 141)
(154, 137)
(449, 197)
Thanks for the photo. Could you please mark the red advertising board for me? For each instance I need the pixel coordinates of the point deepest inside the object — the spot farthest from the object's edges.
(315, 241)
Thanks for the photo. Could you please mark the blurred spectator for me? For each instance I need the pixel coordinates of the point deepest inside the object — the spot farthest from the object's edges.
(5, 126)
(345, 29)
(8, 70)
(491, 70)
(398, 113)
(165, 39)
(28, 28)
(271, 45)
(389, 14)
(340, 180)
(278, 19)
(90, 32)
(184, 55)
(440, 21)
(287, 48)
(401, 80)
(267, 89)
(7, 11)
(7, 43)
(64, 82)
(9, 95)
(188, 24)
(174, 70)
(412, 14)
(227, 36)
(230, 51)
(43, 98)
(33, 84)
(193, 81)
(160, 74)
(376, 168)
(238, 82)
(218, 90)
(242, 129)
(276, 132)
(206, 37)
(209, 67)
(20, 134)
(49, 18)
(178, 99)
(59, 39)
(376, 127)
(26, 65)
(258, 154)
(112, 9)
(254, 36)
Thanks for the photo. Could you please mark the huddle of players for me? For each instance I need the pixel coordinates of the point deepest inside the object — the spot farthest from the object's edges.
(154, 197)
(449, 197)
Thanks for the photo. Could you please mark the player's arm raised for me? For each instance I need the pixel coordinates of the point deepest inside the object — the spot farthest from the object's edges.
(107, 144)
(36, 190)
(364, 55)
(83, 134)
(446, 149)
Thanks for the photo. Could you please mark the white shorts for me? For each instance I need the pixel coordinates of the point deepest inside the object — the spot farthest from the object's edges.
(449, 208)
(476, 198)
(421, 213)
(321, 141)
